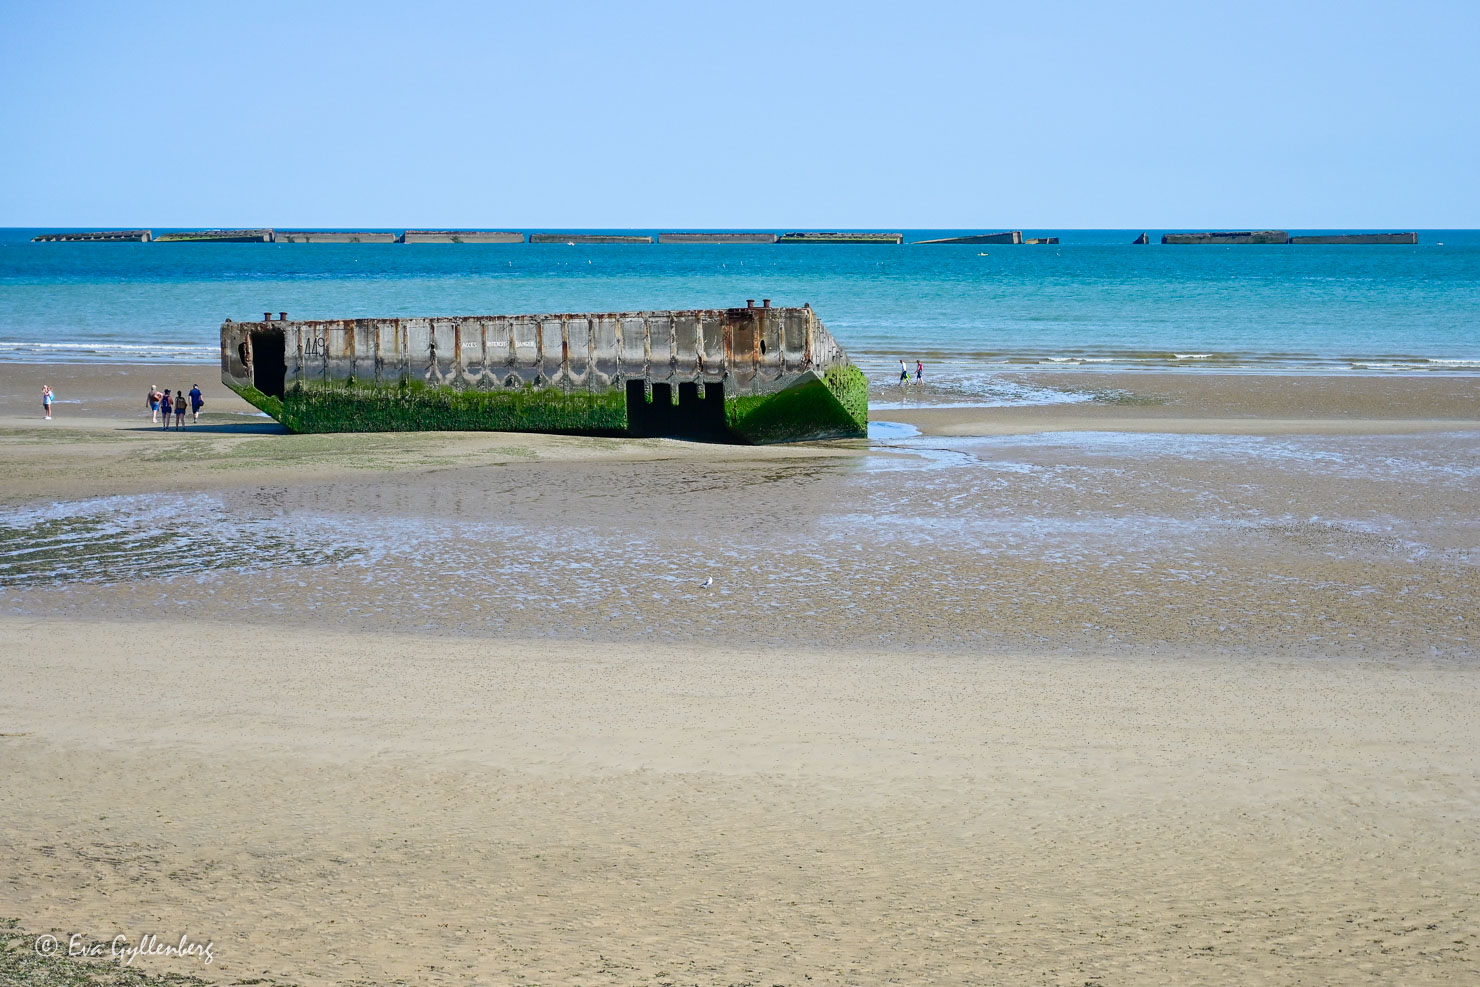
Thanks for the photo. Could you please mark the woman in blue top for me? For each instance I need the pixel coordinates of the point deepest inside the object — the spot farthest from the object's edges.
(166, 407)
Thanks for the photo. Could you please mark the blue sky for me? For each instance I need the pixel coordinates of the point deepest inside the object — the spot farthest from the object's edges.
(900, 115)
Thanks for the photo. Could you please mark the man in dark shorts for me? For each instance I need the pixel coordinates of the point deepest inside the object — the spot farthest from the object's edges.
(197, 401)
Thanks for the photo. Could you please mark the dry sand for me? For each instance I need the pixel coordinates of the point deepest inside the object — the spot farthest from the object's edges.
(1093, 694)
(333, 809)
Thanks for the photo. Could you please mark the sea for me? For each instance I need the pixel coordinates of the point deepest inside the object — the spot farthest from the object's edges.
(1094, 301)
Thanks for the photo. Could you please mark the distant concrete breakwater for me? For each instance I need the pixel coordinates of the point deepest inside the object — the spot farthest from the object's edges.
(1005, 237)
(1280, 236)
(267, 235)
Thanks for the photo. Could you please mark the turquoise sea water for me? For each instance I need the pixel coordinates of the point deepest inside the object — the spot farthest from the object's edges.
(1094, 301)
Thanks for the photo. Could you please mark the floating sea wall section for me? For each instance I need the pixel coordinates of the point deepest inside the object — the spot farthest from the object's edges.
(1007, 236)
(331, 236)
(1232, 236)
(459, 236)
(753, 374)
(1280, 236)
(1357, 238)
(716, 238)
(894, 238)
(99, 236)
(216, 236)
(585, 238)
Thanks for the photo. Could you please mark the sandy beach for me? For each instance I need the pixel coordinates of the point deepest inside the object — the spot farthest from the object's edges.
(1172, 684)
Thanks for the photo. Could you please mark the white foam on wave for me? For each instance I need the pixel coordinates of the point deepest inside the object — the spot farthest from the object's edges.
(1427, 363)
(965, 389)
(13, 351)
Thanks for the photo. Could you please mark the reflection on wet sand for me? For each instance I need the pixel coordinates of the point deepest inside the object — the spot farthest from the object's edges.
(1067, 540)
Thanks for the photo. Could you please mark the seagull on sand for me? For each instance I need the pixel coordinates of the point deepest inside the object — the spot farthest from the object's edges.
(708, 582)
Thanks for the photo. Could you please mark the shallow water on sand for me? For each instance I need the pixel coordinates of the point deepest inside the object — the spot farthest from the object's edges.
(1072, 540)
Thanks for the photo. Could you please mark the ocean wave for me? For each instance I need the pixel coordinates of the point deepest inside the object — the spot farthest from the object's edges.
(1422, 364)
(956, 387)
(1186, 361)
(106, 352)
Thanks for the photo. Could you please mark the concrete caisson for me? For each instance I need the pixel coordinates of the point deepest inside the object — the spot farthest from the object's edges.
(332, 236)
(98, 236)
(1228, 237)
(752, 374)
(1350, 239)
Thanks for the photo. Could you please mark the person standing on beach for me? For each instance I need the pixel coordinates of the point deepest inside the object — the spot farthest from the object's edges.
(197, 401)
(179, 408)
(166, 406)
(919, 372)
(46, 399)
(904, 373)
(153, 401)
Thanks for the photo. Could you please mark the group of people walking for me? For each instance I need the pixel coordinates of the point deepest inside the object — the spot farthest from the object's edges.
(904, 372)
(169, 402)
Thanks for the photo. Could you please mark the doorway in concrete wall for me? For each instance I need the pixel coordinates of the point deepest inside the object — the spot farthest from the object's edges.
(699, 414)
(269, 365)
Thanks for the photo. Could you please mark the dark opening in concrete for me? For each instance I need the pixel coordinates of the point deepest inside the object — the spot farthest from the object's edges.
(269, 368)
(695, 416)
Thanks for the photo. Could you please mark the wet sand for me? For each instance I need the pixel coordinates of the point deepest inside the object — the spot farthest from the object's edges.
(1174, 685)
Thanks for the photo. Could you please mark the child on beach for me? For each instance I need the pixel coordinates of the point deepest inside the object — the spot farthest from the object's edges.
(179, 408)
(197, 401)
(166, 406)
(46, 399)
(152, 399)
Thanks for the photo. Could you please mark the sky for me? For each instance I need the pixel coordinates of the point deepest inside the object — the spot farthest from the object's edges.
(898, 115)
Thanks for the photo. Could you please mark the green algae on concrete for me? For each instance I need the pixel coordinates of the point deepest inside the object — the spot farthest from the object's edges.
(413, 406)
(264, 403)
(834, 405)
